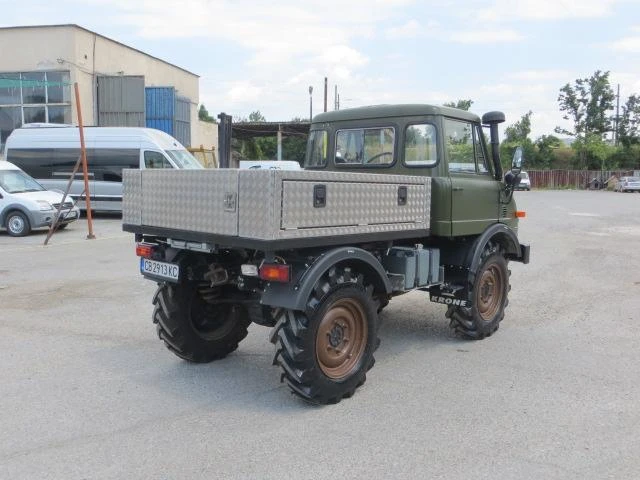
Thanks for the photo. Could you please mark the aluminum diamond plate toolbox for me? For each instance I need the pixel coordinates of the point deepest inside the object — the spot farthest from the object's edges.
(268, 205)
(282, 204)
(202, 201)
(132, 197)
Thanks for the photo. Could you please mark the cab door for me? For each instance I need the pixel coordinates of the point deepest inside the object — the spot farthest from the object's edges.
(475, 194)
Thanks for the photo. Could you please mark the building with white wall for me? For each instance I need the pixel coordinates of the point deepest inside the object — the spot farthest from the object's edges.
(118, 84)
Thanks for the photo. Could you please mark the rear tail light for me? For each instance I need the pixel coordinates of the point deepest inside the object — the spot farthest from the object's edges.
(145, 250)
(273, 272)
(521, 214)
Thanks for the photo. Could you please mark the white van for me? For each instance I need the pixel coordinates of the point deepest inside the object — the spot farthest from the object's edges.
(25, 204)
(49, 152)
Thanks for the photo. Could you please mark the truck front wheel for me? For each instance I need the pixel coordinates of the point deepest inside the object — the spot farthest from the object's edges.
(196, 329)
(489, 288)
(325, 353)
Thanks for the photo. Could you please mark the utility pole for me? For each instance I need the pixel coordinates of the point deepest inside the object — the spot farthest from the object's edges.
(335, 98)
(617, 113)
(325, 94)
(310, 102)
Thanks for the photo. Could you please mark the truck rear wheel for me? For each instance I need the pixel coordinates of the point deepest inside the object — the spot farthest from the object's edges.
(194, 329)
(325, 353)
(489, 289)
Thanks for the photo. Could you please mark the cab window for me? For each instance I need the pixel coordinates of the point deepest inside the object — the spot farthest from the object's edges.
(365, 146)
(155, 160)
(317, 149)
(480, 142)
(465, 148)
(420, 146)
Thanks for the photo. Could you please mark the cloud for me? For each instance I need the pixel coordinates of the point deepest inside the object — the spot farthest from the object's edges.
(410, 29)
(627, 44)
(486, 36)
(539, 75)
(244, 92)
(502, 10)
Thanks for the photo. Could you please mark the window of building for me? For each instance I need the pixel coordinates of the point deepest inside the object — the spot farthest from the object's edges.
(10, 119)
(59, 114)
(10, 93)
(33, 87)
(34, 114)
(58, 87)
(28, 97)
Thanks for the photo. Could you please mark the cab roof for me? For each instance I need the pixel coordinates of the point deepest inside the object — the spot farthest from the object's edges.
(399, 110)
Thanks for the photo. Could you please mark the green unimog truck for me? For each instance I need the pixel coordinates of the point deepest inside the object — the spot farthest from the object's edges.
(392, 199)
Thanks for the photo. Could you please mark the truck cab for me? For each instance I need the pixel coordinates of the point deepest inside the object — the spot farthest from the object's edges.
(446, 144)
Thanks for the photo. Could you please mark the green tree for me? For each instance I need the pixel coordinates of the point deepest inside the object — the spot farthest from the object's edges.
(203, 114)
(460, 104)
(518, 135)
(586, 103)
(256, 117)
(546, 151)
(629, 123)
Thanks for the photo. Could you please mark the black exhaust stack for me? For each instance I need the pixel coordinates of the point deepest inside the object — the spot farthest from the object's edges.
(493, 119)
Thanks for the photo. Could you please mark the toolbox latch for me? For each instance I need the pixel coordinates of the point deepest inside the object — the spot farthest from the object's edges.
(319, 196)
(402, 195)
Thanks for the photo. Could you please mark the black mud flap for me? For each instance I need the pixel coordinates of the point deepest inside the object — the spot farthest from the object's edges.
(455, 296)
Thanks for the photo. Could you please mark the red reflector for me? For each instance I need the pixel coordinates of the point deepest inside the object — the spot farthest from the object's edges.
(274, 272)
(521, 214)
(144, 250)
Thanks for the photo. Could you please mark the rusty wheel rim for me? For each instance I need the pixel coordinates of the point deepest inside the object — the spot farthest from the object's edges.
(490, 292)
(341, 338)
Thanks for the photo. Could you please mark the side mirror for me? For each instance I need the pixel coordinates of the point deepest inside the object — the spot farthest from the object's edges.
(516, 164)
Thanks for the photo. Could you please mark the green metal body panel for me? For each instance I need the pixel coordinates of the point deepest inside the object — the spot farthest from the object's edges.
(462, 204)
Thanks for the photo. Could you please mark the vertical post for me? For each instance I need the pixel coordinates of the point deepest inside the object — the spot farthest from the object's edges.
(335, 98)
(310, 103)
(224, 140)
(617, 114)
(325, 94)
(279, 142)
(83, 156)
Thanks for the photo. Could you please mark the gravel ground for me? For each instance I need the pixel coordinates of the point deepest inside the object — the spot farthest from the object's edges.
(89, 392)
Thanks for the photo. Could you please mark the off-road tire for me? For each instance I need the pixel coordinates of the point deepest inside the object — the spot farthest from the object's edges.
(489, 288)
(193, 329)
(326, 351)
(17, 224)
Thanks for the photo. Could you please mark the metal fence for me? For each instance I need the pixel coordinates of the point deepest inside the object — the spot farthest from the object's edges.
(578, 179)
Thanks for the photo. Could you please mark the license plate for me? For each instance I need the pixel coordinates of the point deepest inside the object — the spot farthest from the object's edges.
(156, 269)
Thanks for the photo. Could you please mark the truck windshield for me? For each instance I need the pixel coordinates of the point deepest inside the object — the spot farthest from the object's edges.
(16, 181)
(183, 159)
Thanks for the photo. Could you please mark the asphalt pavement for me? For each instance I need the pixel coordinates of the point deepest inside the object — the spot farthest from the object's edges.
(87, 391)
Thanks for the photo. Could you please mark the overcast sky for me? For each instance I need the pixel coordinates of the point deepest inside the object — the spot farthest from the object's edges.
(509, 55)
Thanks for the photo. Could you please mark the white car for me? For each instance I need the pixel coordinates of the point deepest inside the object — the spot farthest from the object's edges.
(628, 184)
(525, 182)
(25, 204)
